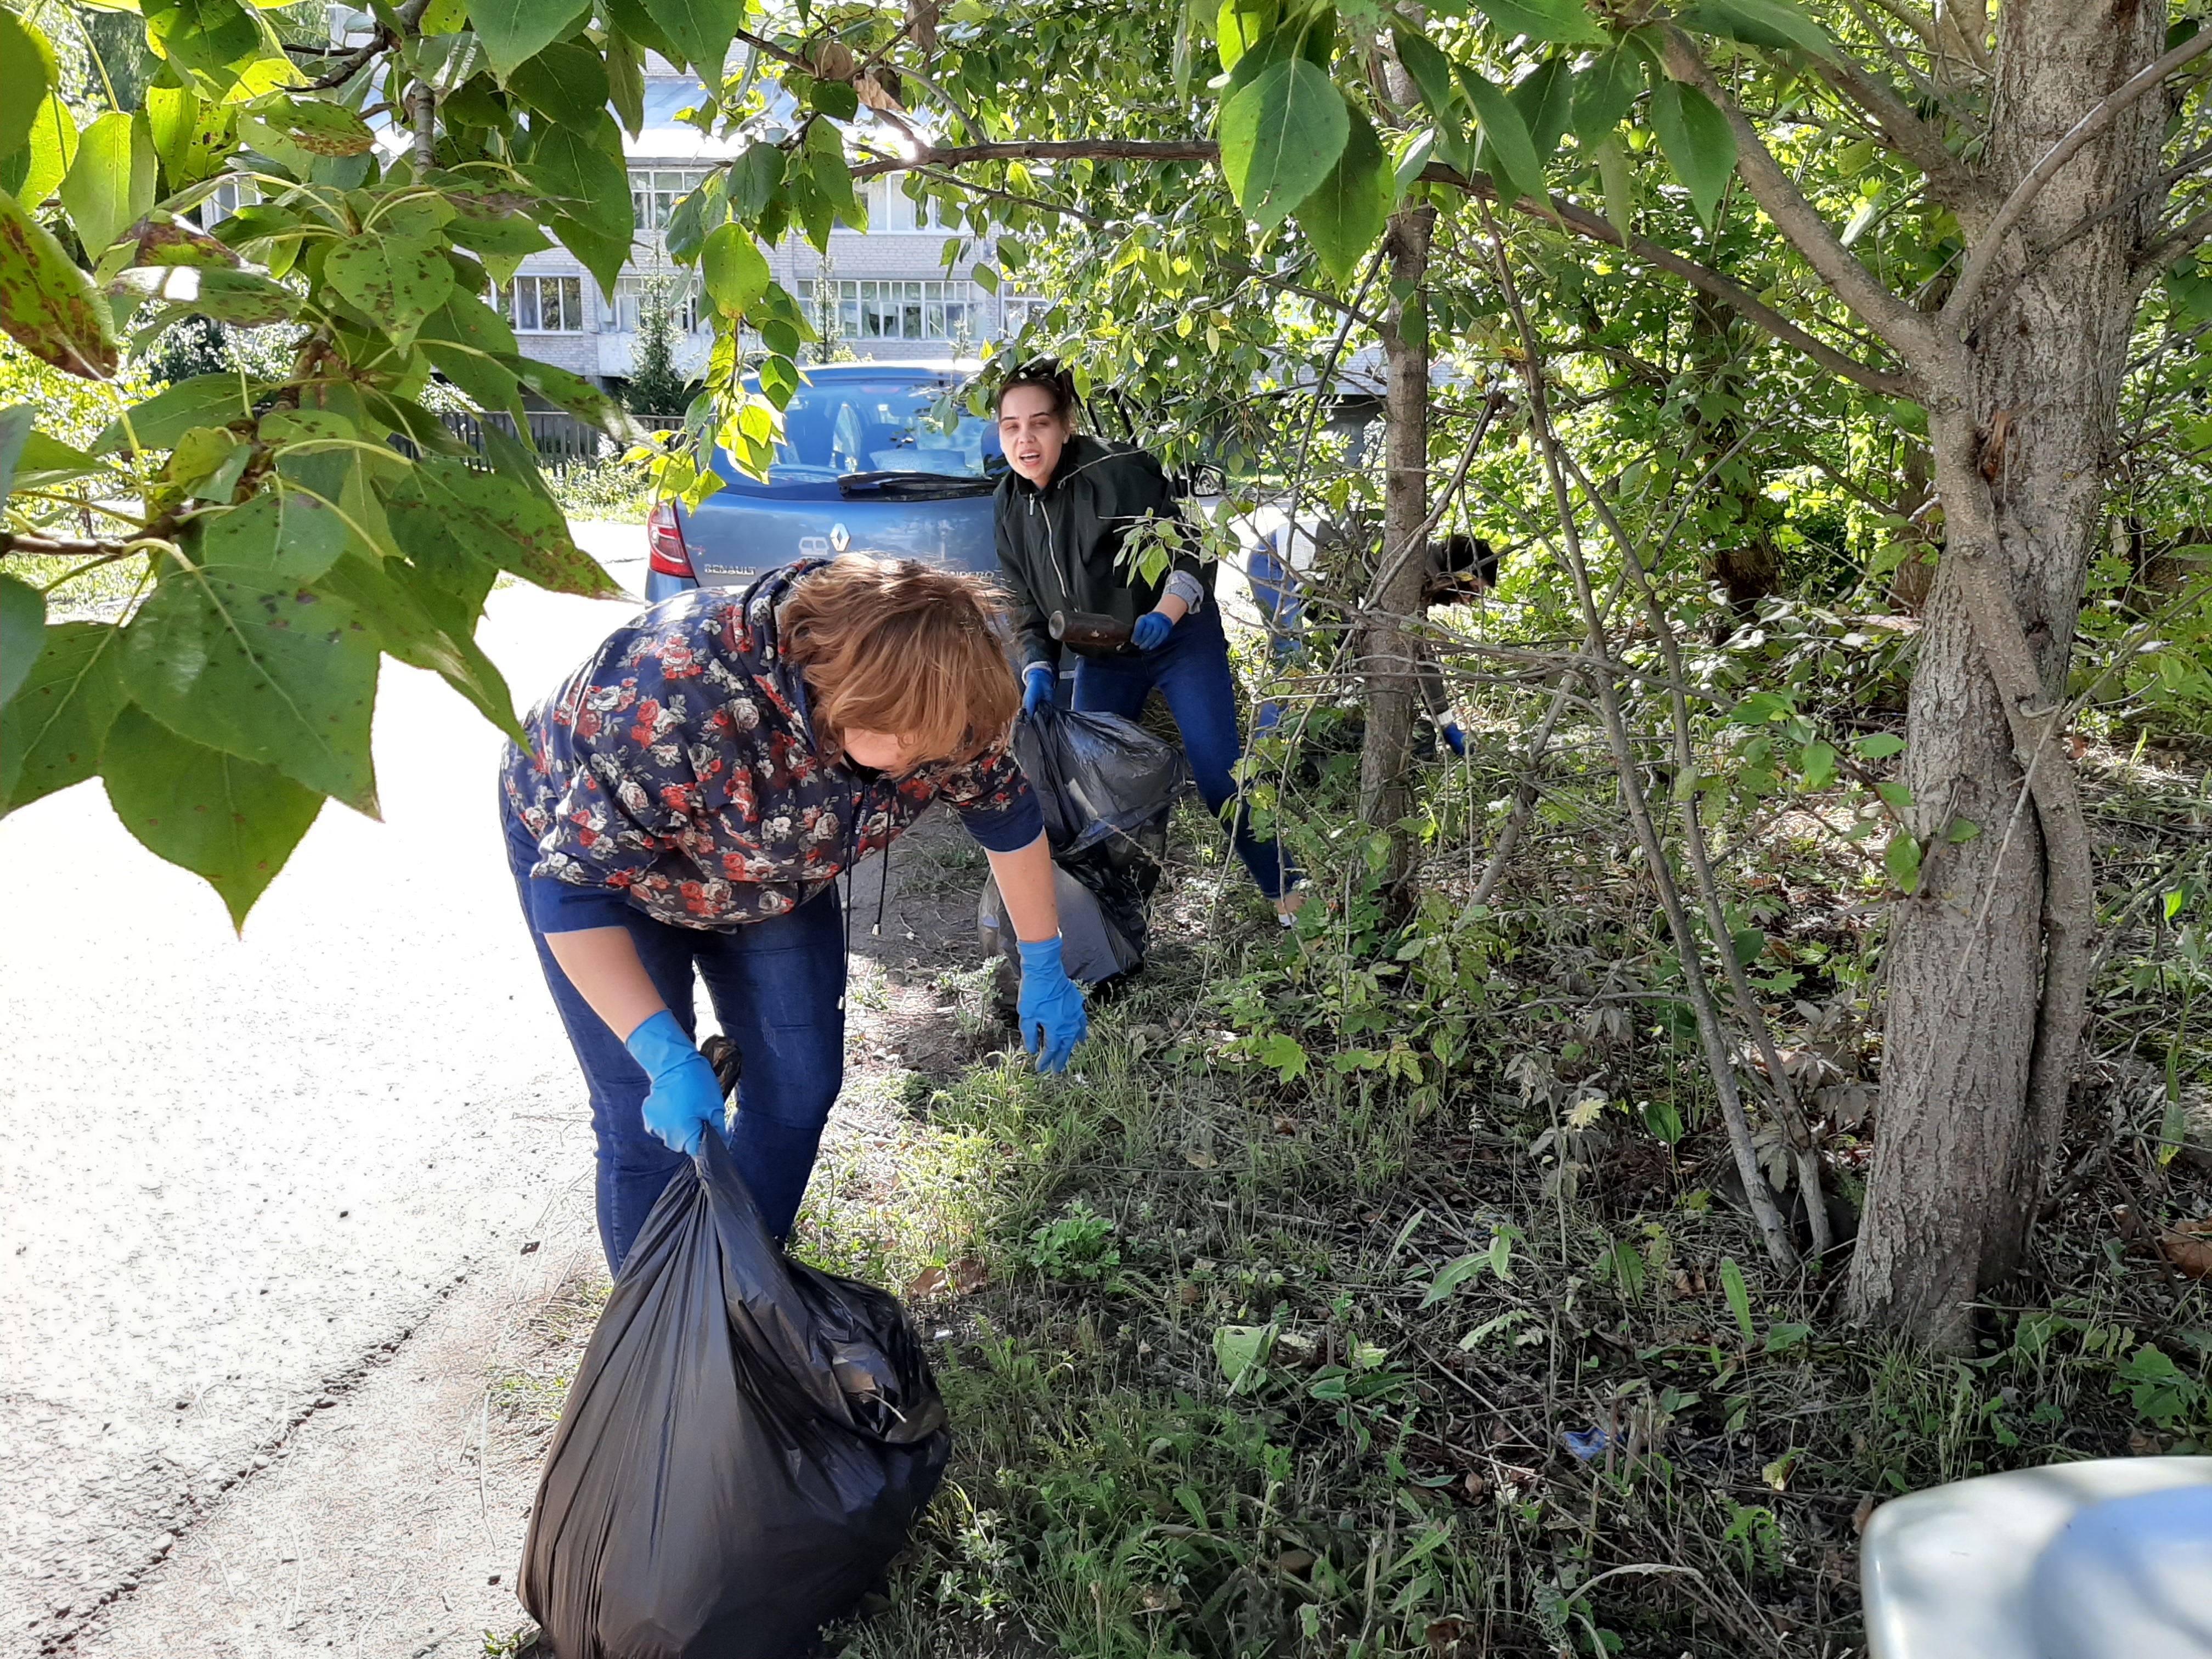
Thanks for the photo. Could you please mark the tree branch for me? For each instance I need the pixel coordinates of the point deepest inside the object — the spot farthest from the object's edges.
(1950, 180)
(1559, 211)
(2083, 132)
(1905, 331)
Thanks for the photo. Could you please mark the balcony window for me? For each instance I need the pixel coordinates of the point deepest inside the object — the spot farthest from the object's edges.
(653, 196)
(544, 305)
(869, 310)
(629, 293)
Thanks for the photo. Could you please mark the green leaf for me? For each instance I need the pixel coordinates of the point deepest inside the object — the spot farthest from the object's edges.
(1564, 21)
(444, 514)
(157, 423)
(1663, 1120)
(285, 531)
(1507, 150)
(700, 29)
(258, 667)
(1431, 73)
(1739, 1298)
(1603, 92)
(1452, 1275)
(837, 100)
(1962, 829)
(425, 627)
(22, 633)
(1879, 745)
(754, 177)
(242, 297)
(578, 396)
(731, 266)
(207, 35)
(1281, 136)
(59, 716)
(1344, 216)
(1776, 23)
(514, 30)
(230, 821)
(1545, 101)
(47, 305)
(1748, 943)
(316, 125)
(15, 428)
(1699, 143)
(626, 81)
(1817, 764)
(513, 236)
(111, 183)
(27, 71)
(1239, 1349)
(1240, 26)
(397, 280)
(565, 83)
(1901, 858)
(581, 174)
(52, 150)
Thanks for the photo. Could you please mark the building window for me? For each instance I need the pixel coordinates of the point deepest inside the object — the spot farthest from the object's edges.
(623, 313)
(544, 305)
(902, 311)
(229, 196)
(653, 196)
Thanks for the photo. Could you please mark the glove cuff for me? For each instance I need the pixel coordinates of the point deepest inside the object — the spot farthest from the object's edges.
(1040, 954)
(660, 1044)
(1036, 669)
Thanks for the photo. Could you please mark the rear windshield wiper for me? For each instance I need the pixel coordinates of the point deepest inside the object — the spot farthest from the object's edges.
(920, 486)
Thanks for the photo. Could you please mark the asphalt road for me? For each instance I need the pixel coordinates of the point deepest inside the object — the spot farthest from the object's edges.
(234, 1173)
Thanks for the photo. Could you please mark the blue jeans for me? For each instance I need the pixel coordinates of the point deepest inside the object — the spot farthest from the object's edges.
(778, 987)
(1192, 673)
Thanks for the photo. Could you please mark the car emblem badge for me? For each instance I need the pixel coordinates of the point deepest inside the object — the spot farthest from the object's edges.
(839, 538)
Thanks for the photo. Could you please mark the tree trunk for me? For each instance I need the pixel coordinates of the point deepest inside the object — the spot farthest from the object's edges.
(1987, 961)
(1387, 652)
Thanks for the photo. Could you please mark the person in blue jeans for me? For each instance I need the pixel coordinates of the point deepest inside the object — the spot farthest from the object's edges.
(686, 801)
(1062, 514)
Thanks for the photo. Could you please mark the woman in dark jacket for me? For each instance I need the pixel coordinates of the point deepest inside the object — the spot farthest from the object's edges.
(1063, 513)
(686, 802)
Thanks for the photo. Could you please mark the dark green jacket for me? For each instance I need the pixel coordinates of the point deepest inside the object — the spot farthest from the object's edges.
(1059, 547)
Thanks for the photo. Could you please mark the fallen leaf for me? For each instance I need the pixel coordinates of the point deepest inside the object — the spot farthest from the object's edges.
(1864, 1514)
(1294, 1560)
(1187, 1294)
(2189, 1248)
(1285, 1125)
(1199, 1160)
(1476, 1485)
(970, 1275)
(931, 1281)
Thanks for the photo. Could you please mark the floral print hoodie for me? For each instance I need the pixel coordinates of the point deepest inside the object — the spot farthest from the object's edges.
(675, 773)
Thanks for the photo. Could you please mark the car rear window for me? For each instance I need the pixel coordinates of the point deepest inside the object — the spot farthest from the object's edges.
(887, 426)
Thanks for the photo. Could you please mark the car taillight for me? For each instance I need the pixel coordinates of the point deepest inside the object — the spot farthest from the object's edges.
(664, 542)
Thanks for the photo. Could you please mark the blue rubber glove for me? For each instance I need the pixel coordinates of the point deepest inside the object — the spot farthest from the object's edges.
(1051, 1005)
(1151, 631)
(686, 1096)
(1455, 739)
(1037, 686)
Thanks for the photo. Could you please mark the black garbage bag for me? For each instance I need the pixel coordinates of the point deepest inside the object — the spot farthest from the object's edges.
(744, 1451)
(1096, 776)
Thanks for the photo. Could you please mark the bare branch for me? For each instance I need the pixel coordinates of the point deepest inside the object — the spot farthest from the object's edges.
(2083, 132)
(1905, 331)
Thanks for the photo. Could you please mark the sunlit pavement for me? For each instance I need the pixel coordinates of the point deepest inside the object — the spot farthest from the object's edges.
(232, 1170)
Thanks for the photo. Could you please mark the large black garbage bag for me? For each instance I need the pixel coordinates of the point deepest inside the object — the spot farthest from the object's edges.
(1096, 776)
(742, 1453)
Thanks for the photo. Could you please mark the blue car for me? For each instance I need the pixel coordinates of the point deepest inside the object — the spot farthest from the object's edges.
(877, 457)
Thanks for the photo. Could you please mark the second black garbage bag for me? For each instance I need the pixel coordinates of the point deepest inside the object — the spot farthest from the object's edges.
(744, 1450)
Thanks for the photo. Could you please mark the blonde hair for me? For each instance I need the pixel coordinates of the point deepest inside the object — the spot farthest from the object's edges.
(898, 646)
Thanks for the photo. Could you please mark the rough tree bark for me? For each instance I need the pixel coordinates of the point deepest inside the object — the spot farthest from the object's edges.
(1987, 960)
(1387, 648)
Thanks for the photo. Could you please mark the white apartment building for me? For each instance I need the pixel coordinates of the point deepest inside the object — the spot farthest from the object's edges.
(882, 292)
